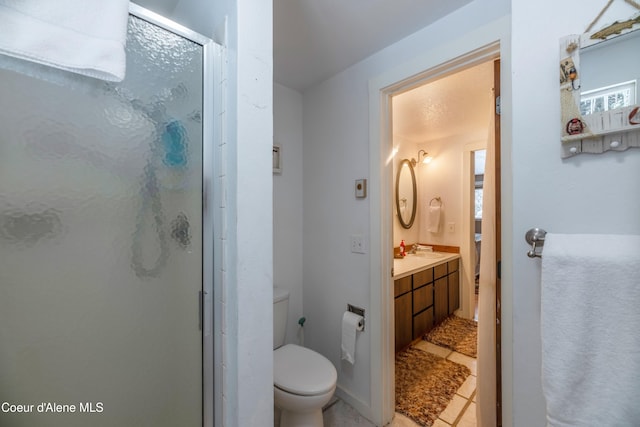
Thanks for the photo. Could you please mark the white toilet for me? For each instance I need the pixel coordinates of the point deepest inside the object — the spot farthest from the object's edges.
(303, 380)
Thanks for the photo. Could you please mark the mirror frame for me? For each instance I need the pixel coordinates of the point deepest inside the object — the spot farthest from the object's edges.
(598, 132)
(415, 194)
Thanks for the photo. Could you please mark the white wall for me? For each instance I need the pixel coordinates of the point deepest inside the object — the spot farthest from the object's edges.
(336, 152)
(243, 247)
(287, 203)
(585, 194)
(440, 178)
(443, 178)
(246, 268)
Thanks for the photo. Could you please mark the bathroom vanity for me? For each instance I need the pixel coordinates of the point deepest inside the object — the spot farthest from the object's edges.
(426, 290)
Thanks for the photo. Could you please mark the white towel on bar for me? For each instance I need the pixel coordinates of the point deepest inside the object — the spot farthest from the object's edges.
(82, 36)
(591, 329)
(434, 218)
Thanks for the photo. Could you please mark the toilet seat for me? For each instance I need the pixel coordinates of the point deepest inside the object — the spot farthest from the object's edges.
(299, 370)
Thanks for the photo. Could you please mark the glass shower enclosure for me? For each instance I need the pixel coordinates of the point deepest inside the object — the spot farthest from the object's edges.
(102, 216)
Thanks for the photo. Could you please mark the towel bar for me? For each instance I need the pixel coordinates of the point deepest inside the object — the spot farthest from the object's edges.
(535, 237)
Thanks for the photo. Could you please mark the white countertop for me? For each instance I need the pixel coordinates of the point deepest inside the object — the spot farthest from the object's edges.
(413, 263)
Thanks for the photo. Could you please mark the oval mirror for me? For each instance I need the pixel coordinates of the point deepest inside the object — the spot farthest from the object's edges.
(406, 195)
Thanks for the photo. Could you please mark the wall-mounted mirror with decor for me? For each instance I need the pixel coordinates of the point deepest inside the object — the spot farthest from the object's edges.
(599, 77)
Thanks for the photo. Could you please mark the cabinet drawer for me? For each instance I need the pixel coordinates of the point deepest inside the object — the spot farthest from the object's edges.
(422, 278)
(422, 323)
(422, 298)
(453, 265)
(440, 270)
(402, 286)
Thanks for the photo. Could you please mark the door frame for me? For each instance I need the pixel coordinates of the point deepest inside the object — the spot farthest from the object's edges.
(467, 247)
(498, 215)
(381, 151)
(203, 302)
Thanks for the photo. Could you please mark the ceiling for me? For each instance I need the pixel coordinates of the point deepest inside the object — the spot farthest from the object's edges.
(459, 104)
(315, 39)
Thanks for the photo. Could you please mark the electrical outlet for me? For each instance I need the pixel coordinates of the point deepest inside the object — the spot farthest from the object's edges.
(451, 227)
(358, 244)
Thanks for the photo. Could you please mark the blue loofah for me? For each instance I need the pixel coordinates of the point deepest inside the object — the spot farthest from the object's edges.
(174, 144)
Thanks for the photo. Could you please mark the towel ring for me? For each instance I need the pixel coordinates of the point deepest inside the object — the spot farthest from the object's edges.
(437, 199)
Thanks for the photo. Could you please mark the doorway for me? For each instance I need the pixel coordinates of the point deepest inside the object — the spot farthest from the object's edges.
(479, 157)
(473, 192)
(449, 118)
(385, 359)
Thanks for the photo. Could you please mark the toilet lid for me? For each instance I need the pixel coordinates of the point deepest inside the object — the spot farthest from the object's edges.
(301, 371)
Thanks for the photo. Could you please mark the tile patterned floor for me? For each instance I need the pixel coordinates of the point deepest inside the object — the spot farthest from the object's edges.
(461, 411)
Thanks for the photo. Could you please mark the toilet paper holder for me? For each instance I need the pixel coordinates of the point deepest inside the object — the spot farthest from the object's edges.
(357, 310)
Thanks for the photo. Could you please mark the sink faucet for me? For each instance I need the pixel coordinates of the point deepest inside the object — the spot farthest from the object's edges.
(414, 249)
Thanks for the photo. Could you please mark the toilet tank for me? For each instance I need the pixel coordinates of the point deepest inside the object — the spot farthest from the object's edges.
(280, 308)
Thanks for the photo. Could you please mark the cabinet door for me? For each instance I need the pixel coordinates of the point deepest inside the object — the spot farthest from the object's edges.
(440, 303)
(403, 321)
(422, 323)
(454, 291)
(422, 298)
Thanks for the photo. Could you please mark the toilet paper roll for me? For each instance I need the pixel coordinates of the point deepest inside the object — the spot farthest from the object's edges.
(351, 323)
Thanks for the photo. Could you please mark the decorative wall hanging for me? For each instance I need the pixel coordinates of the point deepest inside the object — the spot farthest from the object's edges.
(599, 77)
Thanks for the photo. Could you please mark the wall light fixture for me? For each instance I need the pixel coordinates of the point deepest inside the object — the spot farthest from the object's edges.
(426, 158)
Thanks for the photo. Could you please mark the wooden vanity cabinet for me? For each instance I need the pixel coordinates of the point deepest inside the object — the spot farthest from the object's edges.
(424, 299)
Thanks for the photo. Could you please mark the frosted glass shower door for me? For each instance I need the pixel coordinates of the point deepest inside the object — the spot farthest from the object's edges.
(101, 249)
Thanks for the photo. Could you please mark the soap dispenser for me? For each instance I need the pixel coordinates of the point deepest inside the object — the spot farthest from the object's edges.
(402, 252)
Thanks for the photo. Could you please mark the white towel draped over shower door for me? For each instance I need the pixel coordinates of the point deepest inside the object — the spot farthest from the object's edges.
(591, 329)
(87, 37)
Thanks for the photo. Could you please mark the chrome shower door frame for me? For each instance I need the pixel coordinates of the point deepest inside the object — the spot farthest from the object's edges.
(211, 54)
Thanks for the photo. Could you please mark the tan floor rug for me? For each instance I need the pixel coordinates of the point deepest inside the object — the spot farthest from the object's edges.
(457, 334)
(425, 384)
